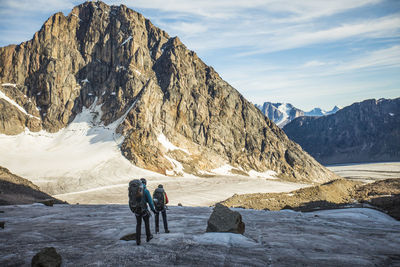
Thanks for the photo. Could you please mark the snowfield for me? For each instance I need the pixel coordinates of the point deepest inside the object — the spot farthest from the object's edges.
(82, 163)
(89, 235)
(367, 172)
(82, 156)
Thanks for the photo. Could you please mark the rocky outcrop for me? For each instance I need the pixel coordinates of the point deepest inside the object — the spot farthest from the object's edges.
(383, 195)
(363, 132)
(129, 237)
(223, 219)
(17, 190)
(47, 257)
(162, 92)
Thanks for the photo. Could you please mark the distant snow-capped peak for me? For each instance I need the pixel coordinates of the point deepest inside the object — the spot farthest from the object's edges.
(283, 113)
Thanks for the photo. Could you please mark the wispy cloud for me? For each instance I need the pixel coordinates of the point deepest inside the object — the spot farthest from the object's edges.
(292, 50)
(378, 59)
(294, 37)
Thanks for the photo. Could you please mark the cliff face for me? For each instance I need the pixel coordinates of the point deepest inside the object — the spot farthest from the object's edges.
(115, 58)
(363, 132)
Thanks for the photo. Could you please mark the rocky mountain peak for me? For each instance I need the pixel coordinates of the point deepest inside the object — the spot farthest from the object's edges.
(362, 132)
(177, 114)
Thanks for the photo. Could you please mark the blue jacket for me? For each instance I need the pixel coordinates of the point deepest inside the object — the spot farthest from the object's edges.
(148, 198)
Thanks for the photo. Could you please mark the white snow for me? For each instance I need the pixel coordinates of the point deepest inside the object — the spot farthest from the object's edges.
(113, 93)
(90, 94)
(9, 84)
(285, 109)
(223, 170)
(82, 156)
(12, 102)
(361, 214)
(85, 81)
(226, 170)
(124, 42)
(120, 67)
(168, 145)
(267, 174)
(367, 172)
(391, 114)
(178, 167)
(224, 239)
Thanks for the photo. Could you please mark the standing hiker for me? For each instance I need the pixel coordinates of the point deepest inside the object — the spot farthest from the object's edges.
(160, 201)
(139, 197)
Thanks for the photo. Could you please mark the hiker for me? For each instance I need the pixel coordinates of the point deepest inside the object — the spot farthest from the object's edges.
(160, 200)
(139, 197)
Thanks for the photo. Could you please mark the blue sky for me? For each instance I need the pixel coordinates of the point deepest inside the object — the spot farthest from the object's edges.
(306, 52)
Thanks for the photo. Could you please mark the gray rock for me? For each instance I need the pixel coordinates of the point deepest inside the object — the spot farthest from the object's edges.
(223, 219)
(47, 257)
(129, 237)
(47, 202)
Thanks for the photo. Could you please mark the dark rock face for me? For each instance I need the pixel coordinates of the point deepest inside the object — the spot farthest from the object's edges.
(17, 190)
(363, 132)
(47, 257)
(2, 224)
(114, 57)
(47, 202)
(223, 219)
(129, 237)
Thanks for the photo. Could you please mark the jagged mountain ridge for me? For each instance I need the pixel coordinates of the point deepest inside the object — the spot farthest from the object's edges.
(366, 131)
(115, 58)
(320, 112)
(283, 113)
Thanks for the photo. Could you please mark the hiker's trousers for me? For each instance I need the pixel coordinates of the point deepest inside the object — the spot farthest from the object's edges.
(164, 217)
(146, 219)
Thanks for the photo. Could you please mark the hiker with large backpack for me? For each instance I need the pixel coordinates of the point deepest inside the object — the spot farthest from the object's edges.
(139, 197)
(160, 200)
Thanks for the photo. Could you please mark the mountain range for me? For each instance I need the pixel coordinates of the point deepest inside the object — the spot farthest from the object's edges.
(366, 131)
(283, 113)
(142, 91)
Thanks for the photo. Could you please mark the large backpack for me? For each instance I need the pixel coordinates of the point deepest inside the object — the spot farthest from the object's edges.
(158, 198)
(137, 202)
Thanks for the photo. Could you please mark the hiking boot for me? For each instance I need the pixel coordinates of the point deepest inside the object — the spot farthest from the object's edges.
(149, 238)
(138, 242)
(157, 230)
(167, 231)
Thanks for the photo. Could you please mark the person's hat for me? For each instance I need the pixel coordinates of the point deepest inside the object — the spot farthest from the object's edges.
(160, 186)
(143, 181)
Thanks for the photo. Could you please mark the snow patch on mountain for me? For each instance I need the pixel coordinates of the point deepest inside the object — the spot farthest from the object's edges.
(83, 155)
(12, 102)
(168, 145)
